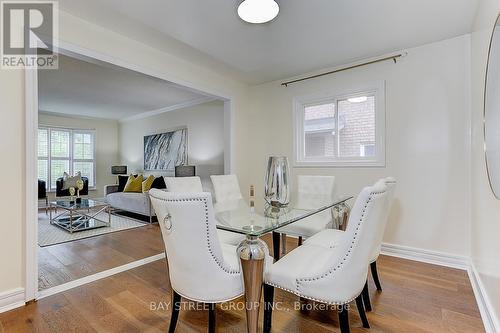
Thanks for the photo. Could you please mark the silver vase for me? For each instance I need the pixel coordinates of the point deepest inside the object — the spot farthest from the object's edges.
(277, 186)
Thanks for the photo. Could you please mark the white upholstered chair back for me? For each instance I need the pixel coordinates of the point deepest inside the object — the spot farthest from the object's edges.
(226, 188)
(343, 278)
(391, 187)
(183, 184)
(314, 191)
(197, 267)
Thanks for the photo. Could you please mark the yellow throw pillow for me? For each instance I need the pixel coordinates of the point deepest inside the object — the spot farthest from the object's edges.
(146, 185)
(134, 184)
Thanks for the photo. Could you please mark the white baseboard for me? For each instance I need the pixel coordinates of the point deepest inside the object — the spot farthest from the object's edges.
(15, 298)
(11, 299)
(427, 256)
(488, 315)
(98, 276)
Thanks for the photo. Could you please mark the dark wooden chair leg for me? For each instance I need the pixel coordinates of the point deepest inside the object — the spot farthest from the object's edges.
(211, 318)
(361, 310)
(276, 245)
(176, 306)
(268, 307)
(344, 318)
(366, 297)
(373, 267)
(300, 240)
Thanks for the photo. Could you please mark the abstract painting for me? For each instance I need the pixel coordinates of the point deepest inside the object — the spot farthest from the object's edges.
(166, 150)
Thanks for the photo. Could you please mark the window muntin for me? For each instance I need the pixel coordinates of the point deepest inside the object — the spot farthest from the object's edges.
(65, 150)
(59, 143)
(341, 130)
(57, 169)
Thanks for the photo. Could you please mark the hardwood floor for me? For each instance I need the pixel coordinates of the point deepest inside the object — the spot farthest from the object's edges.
(61, 263)
(417, 297)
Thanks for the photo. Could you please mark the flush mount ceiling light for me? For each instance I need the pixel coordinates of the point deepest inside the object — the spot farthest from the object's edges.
(258, 11)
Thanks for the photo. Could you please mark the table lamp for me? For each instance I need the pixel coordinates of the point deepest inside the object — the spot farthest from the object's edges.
(185, 171)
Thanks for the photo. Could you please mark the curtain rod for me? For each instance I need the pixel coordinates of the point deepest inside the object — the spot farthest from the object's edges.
(393, 57)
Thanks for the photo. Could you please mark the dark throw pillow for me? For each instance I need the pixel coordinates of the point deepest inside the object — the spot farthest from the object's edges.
(122, 181)
(159, 183)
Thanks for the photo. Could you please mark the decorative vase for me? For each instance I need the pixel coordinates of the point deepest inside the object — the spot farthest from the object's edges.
(277, 186)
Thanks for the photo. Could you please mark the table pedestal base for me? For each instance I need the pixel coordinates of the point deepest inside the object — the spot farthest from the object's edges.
(252, 252)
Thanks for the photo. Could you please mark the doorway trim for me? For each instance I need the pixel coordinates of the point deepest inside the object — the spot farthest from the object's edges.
(31, 127)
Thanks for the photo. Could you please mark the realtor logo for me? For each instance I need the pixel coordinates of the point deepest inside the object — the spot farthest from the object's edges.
(29, 34)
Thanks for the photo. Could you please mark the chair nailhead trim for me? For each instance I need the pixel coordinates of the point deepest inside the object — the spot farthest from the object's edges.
(340, 265)
(312, 298)
(218, 261)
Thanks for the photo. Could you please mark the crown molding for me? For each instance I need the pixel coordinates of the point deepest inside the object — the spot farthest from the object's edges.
(169, 109)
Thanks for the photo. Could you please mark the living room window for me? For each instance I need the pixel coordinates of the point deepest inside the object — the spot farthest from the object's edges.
(65, 150)
(341, 129)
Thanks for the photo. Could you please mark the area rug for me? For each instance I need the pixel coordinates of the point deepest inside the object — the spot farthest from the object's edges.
(50, 234)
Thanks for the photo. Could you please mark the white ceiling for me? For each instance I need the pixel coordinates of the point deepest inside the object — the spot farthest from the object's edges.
(98, 90)
(307, 35)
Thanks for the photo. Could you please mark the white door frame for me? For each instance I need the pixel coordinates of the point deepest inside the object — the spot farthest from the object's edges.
(31, 127)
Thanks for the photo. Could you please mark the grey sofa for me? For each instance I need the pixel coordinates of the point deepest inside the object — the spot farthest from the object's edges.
(138, 203)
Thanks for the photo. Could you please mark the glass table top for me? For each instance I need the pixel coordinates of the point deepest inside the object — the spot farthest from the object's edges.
(237, 216)
(84, 204)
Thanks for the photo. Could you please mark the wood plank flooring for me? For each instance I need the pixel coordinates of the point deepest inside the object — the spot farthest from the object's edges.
(417, 297)
(61, 263)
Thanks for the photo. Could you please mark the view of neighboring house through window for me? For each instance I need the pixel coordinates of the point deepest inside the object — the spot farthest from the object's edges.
(357, 130)
(342, 131)
(320, 130)
(65, 150)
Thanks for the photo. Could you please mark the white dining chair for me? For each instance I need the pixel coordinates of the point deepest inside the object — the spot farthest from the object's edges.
(193, 185)
(312, 192)
(331, 237)
(335, 275)
(226, 188)
(183, 184)
(201, 268)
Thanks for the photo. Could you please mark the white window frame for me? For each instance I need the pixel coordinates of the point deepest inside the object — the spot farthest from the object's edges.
(47, 158)
(71, 158)
(300, 103)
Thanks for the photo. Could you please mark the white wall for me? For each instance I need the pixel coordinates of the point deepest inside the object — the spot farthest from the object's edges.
(106, 136)
(427, 143)
(426, 120)
(12, 150)
(12, 93)
(485, 220)
(205, 124)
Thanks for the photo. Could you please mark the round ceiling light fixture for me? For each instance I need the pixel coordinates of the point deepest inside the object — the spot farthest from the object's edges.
(258, 11)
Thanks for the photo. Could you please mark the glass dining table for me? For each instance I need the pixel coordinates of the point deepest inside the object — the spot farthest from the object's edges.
(237, 216)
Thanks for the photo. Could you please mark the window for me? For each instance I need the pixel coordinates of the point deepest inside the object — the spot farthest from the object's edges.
(341, 129)
(65, 150)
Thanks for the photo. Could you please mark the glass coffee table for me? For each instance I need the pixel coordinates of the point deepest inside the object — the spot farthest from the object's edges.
(80, 216)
